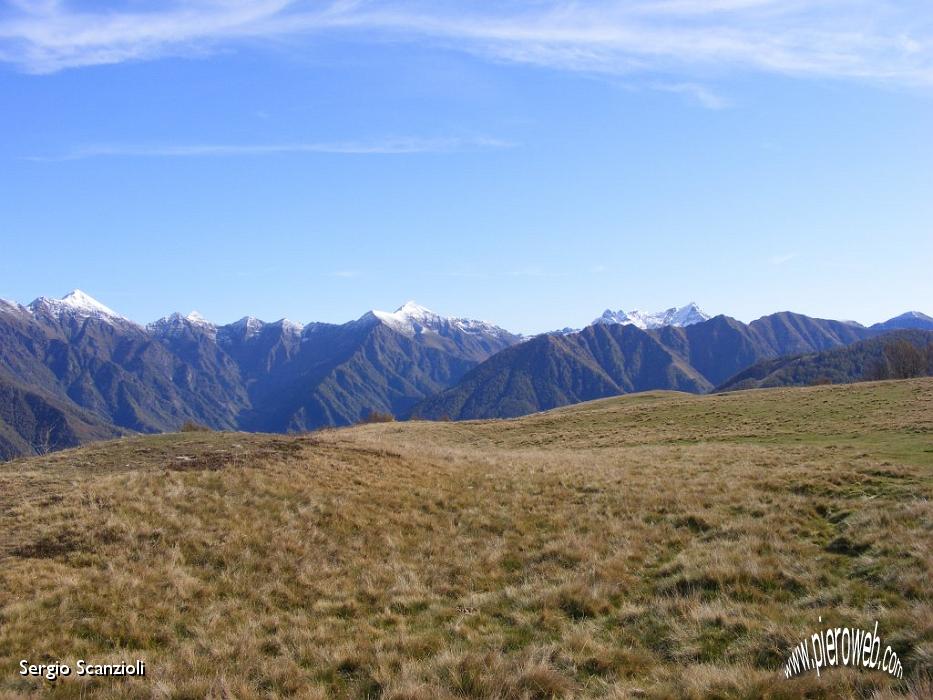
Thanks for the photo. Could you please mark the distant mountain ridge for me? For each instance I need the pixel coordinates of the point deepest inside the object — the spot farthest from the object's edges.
(910, 320)
(72, 369)
(607, 359)
(556, 370)
(680, 317)
(675, 316)
(97, 367)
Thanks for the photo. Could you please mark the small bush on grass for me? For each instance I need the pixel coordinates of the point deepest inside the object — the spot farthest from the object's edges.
(190, 426)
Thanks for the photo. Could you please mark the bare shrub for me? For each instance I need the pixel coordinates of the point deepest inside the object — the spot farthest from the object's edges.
(376, 417)
(190, 426)
(905, 359)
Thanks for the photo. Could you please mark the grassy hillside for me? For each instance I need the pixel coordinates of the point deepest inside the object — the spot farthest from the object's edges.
(654, 545)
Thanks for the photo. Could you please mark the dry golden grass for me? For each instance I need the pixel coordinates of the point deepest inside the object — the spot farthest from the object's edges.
(658, 545)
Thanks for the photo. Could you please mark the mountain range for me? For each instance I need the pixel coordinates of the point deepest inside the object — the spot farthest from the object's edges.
(607, 359)
(73, 370)
(684, 316)
(100, 374)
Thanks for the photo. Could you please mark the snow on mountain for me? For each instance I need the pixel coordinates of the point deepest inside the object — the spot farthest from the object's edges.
(683, 316)
(687, 315)
(410, 318)
(413, 319)
(911, 319)
(912, 315)
(176, 324)
(290, 326)
(76, 304)
(244, 329)
(197, 319)
(12, 307)
(248, 326)
(310, 329)
(477, 327)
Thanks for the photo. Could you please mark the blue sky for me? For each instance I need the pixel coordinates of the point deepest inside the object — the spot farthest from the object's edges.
(531, 164)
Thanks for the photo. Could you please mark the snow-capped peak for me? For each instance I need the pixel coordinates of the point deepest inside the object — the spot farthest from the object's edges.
(914, 315)
(684, 316)
(290, 326)
(75, 303)
(688, 315)
(566, 330)
(409, 310)
(249, 326)
(176, 324)
(80, 301)
(413, 319)
(413, 308)
(910, 319)
(8, 305)
(409, 318)
(197, 319)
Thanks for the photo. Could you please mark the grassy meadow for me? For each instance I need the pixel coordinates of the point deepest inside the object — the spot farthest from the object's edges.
(658, 545)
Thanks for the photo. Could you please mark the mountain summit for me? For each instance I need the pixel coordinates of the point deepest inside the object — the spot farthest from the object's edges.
(75, 303)
(413, 319)
(410, 318)
(680, 317)
(176, 324)
(910, 320)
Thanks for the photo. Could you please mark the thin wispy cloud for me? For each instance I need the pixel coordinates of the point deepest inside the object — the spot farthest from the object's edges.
(537, 272)
(880, 40)
(697, 93)
(385, 147)
(464, 274)
(782, 259)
